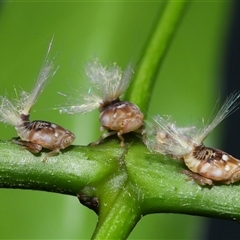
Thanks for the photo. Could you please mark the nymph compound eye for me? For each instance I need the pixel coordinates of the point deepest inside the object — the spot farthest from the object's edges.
(235, 176)
(67, 139)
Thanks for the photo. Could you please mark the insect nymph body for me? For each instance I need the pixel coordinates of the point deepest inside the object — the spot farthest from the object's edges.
(205, 164)
(213, 165)
(120, 117)
(38, 134)
(116, 116)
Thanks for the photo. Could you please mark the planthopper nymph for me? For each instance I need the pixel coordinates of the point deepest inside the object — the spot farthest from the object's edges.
(108, 83)
(206, 165)
(37, 134)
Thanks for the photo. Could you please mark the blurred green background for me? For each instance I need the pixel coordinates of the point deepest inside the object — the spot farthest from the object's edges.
(188, 86)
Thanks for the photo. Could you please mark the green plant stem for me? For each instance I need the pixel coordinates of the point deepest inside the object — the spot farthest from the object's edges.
(65, 173)
(130, 180)
(121, 217)
(142, 86)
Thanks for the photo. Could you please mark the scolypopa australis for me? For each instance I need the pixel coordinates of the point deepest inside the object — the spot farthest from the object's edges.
(108, 83)
(37, 134)
(206, 165)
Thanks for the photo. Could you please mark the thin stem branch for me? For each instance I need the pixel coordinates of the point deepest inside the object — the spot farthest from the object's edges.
(142, 86)
(121, 217)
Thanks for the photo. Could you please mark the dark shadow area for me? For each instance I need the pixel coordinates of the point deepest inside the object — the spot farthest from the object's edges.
(223, 229)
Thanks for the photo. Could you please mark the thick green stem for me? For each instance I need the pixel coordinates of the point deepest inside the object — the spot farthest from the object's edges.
(128, 182)
(141, 182)
(65, 173)
(141, 88)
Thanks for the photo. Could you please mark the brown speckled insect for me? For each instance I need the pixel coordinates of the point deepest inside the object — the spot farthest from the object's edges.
(38, 134)
(206, 165)
(116, 116)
